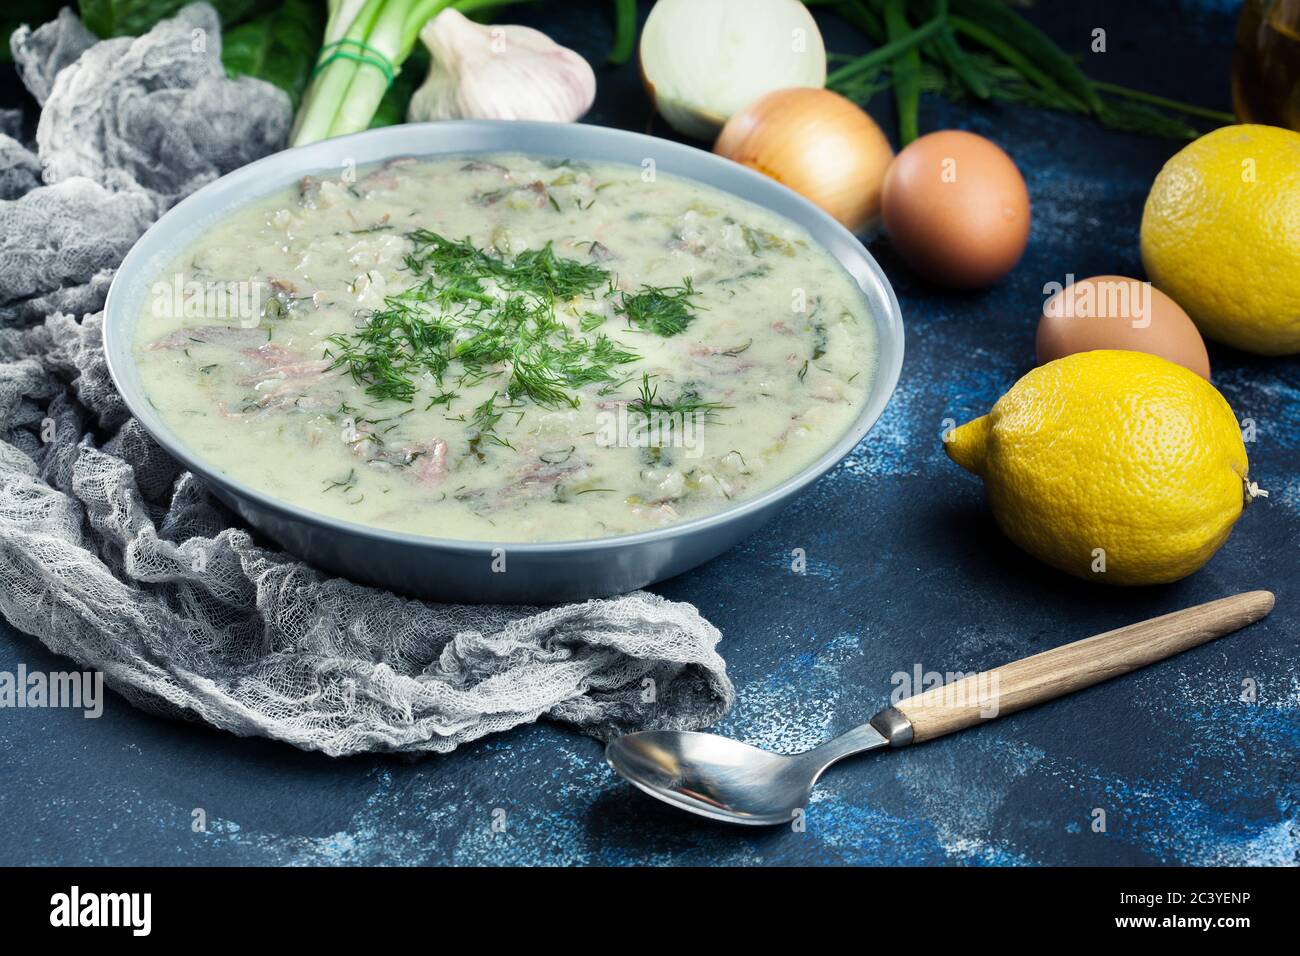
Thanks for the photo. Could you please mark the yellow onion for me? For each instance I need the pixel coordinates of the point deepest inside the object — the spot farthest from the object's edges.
(817, 143)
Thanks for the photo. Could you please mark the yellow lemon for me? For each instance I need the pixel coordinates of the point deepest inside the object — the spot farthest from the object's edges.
(1116, 466)
(1221, 236)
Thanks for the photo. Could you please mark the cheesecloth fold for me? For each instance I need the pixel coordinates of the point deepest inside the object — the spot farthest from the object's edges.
(114, 556)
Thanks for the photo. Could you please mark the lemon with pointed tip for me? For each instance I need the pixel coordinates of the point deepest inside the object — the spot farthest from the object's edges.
(1120, 467)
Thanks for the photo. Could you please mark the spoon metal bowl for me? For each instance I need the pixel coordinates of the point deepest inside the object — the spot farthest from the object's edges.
(723, 779)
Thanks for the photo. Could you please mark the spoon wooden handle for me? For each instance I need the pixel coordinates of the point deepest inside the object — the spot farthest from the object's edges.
(1063, 670)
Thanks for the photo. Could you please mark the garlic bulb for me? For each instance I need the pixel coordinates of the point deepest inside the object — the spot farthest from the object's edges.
(499, 72)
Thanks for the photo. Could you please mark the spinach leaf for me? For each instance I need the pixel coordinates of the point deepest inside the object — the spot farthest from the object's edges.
(280, 47)
(116, 18)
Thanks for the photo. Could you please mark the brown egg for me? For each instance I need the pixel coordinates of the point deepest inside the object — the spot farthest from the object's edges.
(956, 209)
(1114, 312)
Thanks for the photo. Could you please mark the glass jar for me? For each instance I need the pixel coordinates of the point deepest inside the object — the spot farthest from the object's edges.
(1266, 63)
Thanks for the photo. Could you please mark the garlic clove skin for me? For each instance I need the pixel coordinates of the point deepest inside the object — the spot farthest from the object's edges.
(499, 72)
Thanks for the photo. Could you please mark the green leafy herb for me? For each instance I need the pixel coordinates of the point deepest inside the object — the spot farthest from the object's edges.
(687, 402)
(945, 48)
(541, 270)
(883, 56)
(538, 272)
(116, 18)
(279, 46)
(1033, 44)
(443, 398)
(624, 31)
(347, 484)
(559, 456)
(906, 70)
(448, 315)
(486, 416)
(663, 311)
(1004, 58)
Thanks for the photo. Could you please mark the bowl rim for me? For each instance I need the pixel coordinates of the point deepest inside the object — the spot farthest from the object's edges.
(314, 157)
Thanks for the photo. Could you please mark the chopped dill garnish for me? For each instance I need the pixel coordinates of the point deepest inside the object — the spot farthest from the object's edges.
(538, 272)
(559, 456)
(820, 341)
(347, 484)
(688, 402)
(486, 416)
(665, 311)
(472, 316)
(449, 315)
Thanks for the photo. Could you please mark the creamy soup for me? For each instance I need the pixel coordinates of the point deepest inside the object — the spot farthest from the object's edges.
(506, 348)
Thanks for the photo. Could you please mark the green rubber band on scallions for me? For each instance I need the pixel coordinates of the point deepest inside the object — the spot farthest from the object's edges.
(369, 54)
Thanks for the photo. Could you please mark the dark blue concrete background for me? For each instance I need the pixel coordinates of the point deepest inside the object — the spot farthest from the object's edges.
(905, 567)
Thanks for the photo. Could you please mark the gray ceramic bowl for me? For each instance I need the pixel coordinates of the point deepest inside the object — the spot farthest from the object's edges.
(451, 570)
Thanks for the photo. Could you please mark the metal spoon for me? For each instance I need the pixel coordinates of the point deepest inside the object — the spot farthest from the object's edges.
(727, 780)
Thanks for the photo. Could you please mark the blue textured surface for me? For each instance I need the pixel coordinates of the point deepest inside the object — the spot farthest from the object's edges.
(904, 567)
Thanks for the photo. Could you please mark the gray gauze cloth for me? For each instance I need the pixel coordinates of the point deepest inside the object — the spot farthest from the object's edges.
(114, 556)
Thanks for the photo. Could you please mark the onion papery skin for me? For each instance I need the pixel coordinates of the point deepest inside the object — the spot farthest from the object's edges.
(817, 143)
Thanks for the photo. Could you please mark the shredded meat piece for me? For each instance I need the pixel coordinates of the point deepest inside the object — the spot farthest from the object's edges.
(384, 177)
(432, 466)
(478, 166)
(233, 335)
